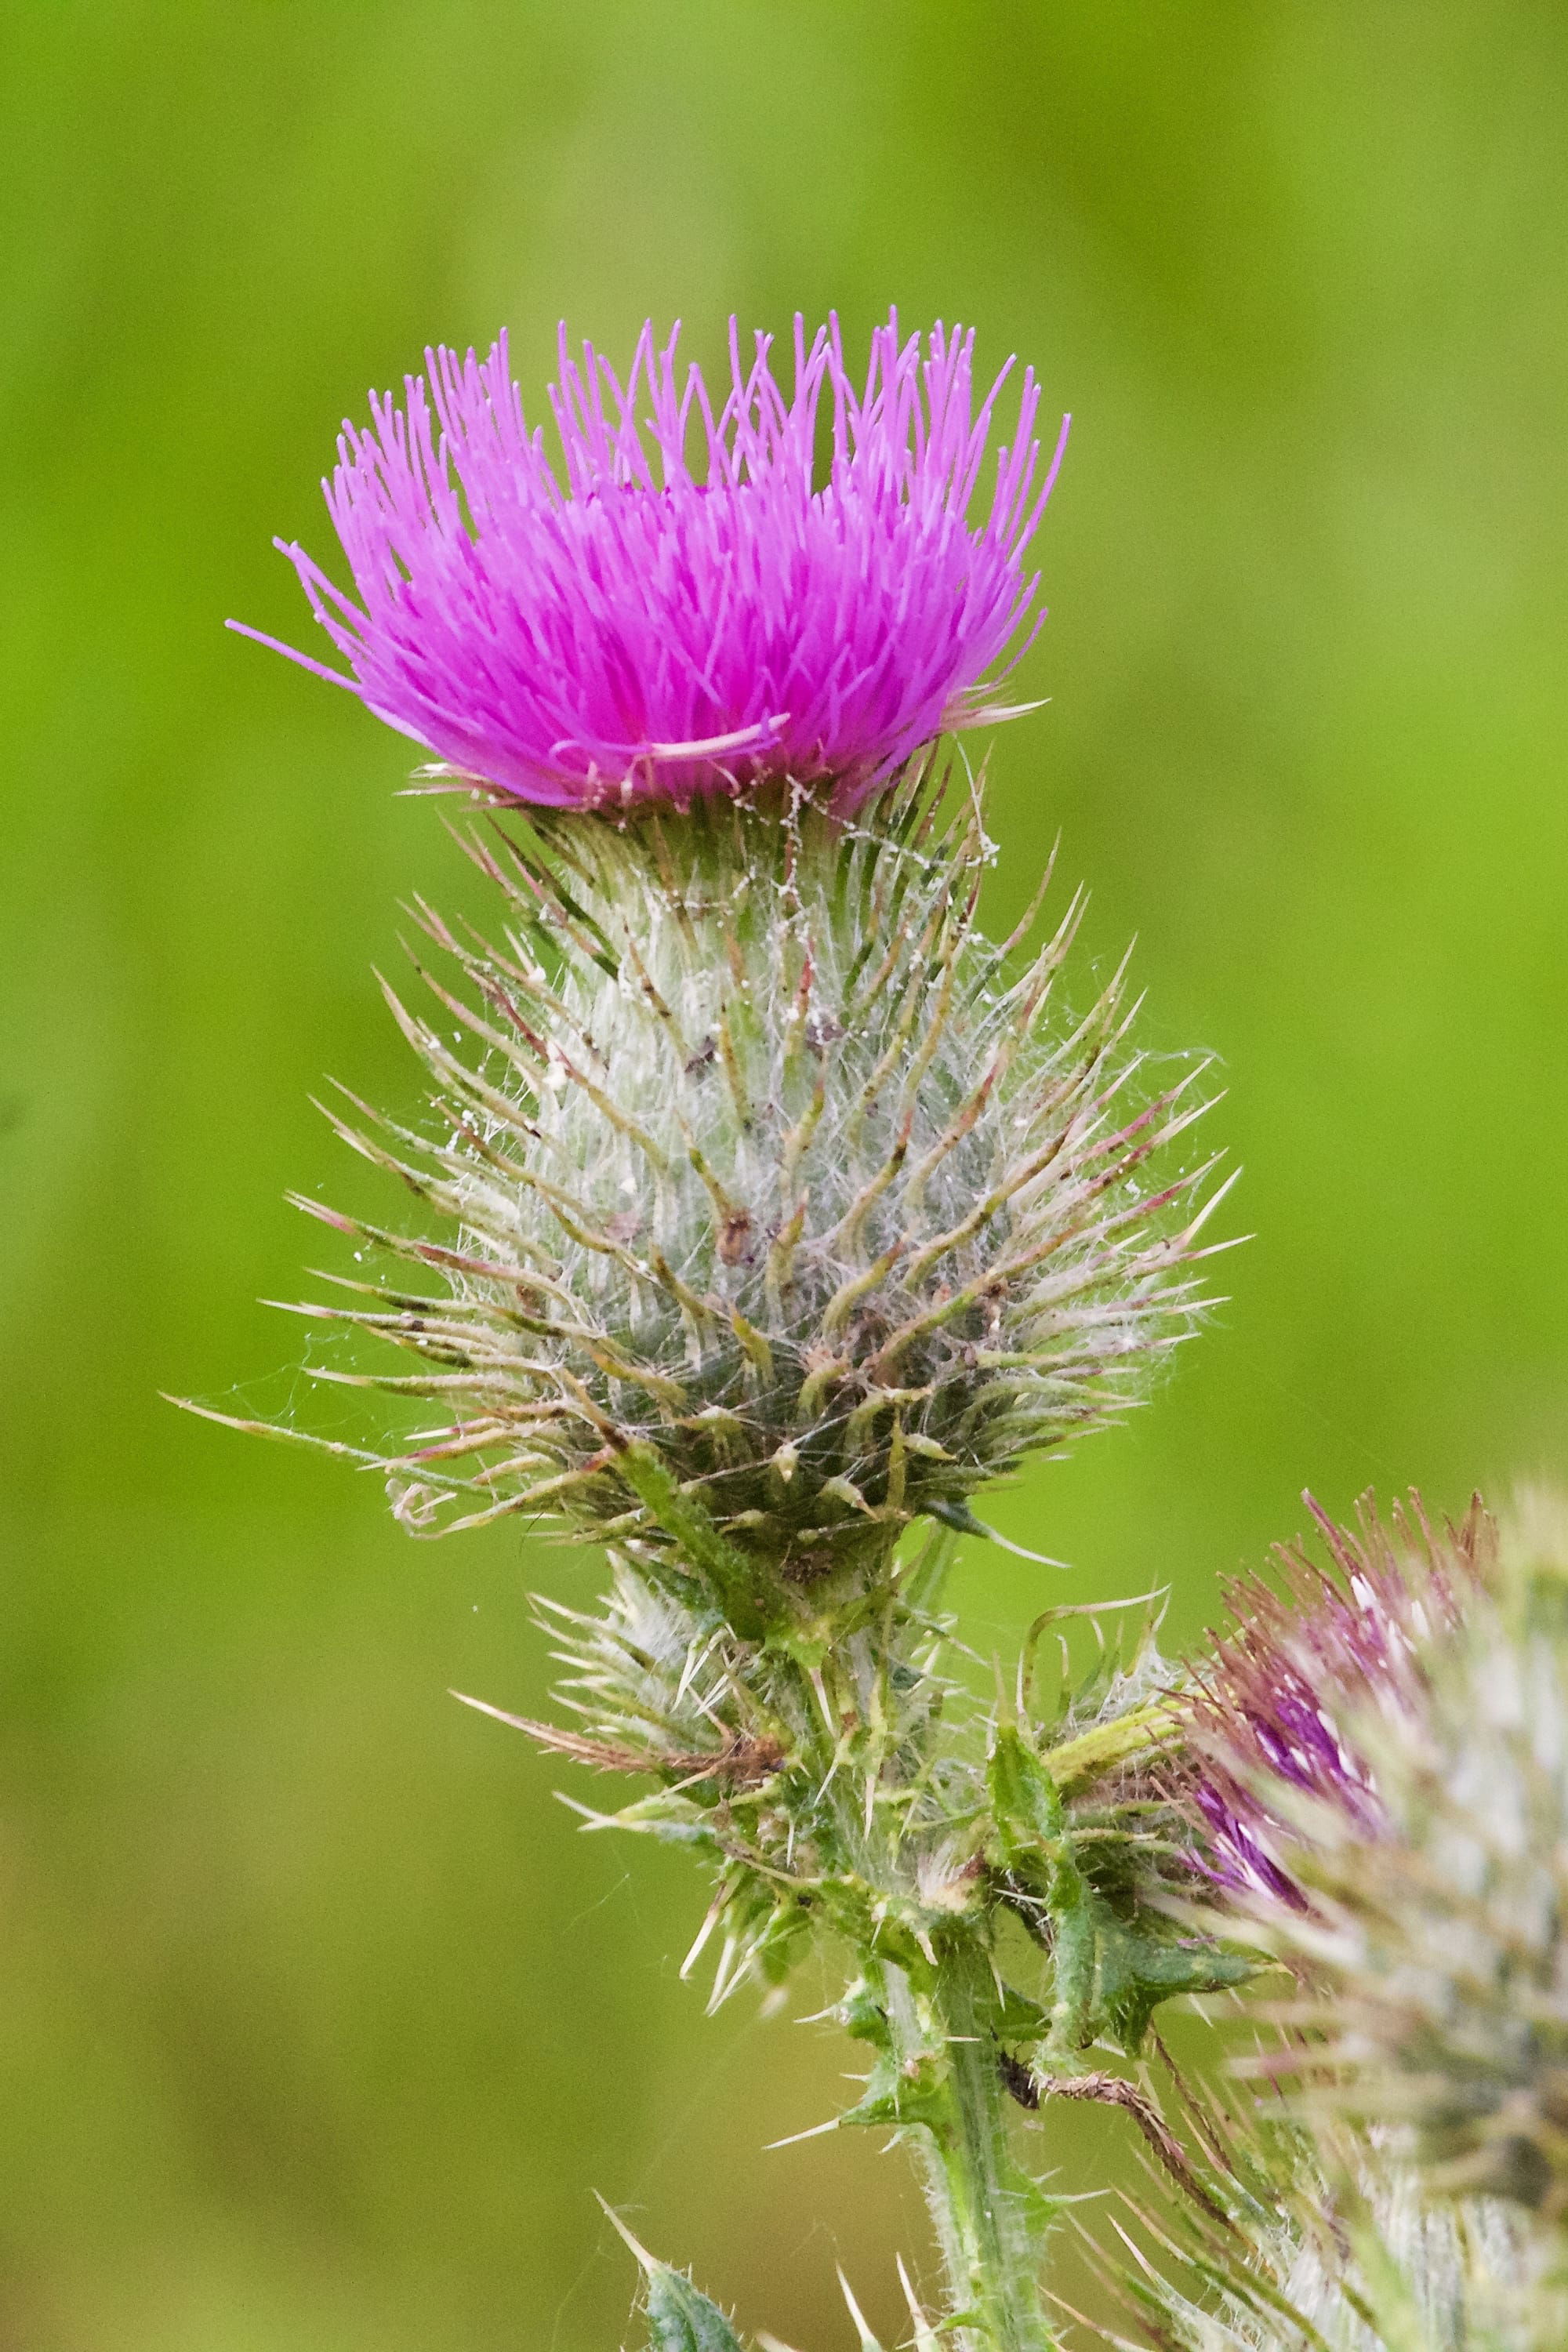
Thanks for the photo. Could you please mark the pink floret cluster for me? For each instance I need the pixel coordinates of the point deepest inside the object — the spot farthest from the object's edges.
(1297, 1665)
(808, 600)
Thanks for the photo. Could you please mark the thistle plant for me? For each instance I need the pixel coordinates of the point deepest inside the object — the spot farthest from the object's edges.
(767, 1210)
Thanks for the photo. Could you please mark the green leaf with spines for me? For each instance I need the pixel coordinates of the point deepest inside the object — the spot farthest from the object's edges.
(680, 2316)
(1111, 1965)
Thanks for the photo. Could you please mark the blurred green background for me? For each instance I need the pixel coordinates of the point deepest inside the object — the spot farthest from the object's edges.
(317, 2020)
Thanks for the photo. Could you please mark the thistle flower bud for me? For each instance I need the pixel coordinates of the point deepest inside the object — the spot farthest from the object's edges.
(780, 1208)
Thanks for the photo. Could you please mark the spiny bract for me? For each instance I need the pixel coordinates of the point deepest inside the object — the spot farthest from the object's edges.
(782, 1206)
(1300, 2266)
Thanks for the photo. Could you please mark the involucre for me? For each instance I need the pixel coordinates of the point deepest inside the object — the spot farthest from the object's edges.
(774, 1206)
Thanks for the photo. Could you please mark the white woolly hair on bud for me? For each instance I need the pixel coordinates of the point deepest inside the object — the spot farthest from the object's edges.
(1364, 2266)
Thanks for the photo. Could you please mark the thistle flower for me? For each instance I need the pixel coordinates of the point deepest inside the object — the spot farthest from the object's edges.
(1441, 1945)
(1418, 1881)
(655, 630)
(1270, 1709)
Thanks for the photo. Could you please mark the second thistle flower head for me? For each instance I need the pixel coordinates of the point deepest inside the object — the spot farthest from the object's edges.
(1386, 1800)
(663, 623)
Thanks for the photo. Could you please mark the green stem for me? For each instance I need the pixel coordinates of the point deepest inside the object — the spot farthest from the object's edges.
(1109, 1744)
(939, 2078)
(990, 2219)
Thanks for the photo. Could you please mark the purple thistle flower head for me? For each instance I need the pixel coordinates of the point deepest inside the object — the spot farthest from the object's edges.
(653, 631)
(1273, 1710)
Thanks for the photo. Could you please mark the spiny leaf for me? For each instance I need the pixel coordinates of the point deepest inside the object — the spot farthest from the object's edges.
(680, 2318)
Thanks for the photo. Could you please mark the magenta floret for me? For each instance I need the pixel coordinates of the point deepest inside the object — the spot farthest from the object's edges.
(651, 631)
(1271, 1708)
